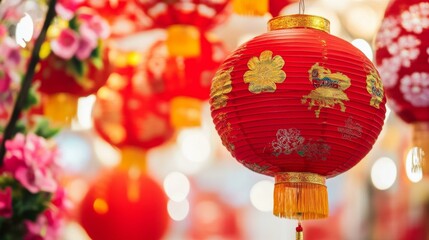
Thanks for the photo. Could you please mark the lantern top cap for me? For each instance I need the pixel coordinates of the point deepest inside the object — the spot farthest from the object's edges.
(299, 21)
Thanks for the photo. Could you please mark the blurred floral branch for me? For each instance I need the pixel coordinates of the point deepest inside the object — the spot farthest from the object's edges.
(27, 80)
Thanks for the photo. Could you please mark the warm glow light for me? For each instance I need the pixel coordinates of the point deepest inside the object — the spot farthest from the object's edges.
(106, 154)
(261, 195)
(383, 173)
(178, 211)
(76, 190)
(73, 231)
(24, 30)
(388, 112)
(100, 206)
(361, 21)
(84, 111)
(364, 47)
(176, 186)
(412, 157)
(194, 144)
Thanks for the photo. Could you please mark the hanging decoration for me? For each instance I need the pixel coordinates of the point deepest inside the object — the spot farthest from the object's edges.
(73, 63)
(203, 15)
(402, 54)
(125, 17)
(260, 7)
(300, 105)
(128, 114)
(125, 205)
(185, 81)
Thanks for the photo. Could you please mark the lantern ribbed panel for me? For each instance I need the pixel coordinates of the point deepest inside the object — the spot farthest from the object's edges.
(402, 58)
(249, 124)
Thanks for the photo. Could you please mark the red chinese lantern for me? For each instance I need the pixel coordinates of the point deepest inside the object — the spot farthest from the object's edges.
(184, 80)
(261, 7)
(300, 105)
(124, 16)
(124, 205)
(202, 14)
(402, 58)
(73, 64)
(127, 114)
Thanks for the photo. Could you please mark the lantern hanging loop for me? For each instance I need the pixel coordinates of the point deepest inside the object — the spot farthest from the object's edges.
(301, 6)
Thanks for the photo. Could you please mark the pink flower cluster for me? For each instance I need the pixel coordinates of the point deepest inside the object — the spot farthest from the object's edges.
(79, 43)
(11, 66)
(32, 162)
(48, 225)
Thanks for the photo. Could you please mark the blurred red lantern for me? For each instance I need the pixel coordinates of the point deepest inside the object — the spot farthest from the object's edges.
(72, 64)
(184, 80)
(128, 114)
(202, 14)
(261, 7)
(301, 105)
(402, 57)
(124, 205)
(124, 16)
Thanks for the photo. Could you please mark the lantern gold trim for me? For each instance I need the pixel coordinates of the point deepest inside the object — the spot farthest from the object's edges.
(300, 195)
(299, 21)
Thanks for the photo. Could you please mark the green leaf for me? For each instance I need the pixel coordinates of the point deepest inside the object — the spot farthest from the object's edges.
(78, 67)
(74, 24)
(96, 57)
(32, 99)
(44, 130)
(20, 127)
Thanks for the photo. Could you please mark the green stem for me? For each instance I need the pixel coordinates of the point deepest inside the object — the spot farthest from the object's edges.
(26, 82)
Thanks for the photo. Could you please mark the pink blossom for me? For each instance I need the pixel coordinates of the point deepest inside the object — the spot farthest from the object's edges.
(3, 31)
(86, 46)
(415, 88)
(389, 30)
(10, 53)
(5, 80)
(66, 45)
(388, 69)
(32, 162)
(46, 227)
(6, 202)
(94, 25)
(416, 18)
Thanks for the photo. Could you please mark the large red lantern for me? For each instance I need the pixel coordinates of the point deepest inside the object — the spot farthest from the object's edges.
(300, 105)
(125, 205)
(184, 81)
(128, 114)
(402, 57)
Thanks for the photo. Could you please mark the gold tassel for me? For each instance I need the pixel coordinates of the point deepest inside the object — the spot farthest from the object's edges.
(421, 141)
(300, 196)
(185, 112)
(299, 232)
(250, 7)
(60, 108)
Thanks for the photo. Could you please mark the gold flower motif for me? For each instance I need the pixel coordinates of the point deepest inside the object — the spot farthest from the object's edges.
(221, 86)
(265, 72)
(374, 86)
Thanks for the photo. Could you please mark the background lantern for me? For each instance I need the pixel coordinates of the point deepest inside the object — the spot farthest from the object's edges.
(125, 205)
(260, 8)
(402, 58)
(184, 81)
(124, 16)
(127, 113)
(68, 70)
(301, 105)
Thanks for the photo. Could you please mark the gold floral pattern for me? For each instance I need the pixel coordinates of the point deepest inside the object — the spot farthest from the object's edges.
(264, 72)
(329, 90)
(374, 86)
(221, 86)
(226, 135)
